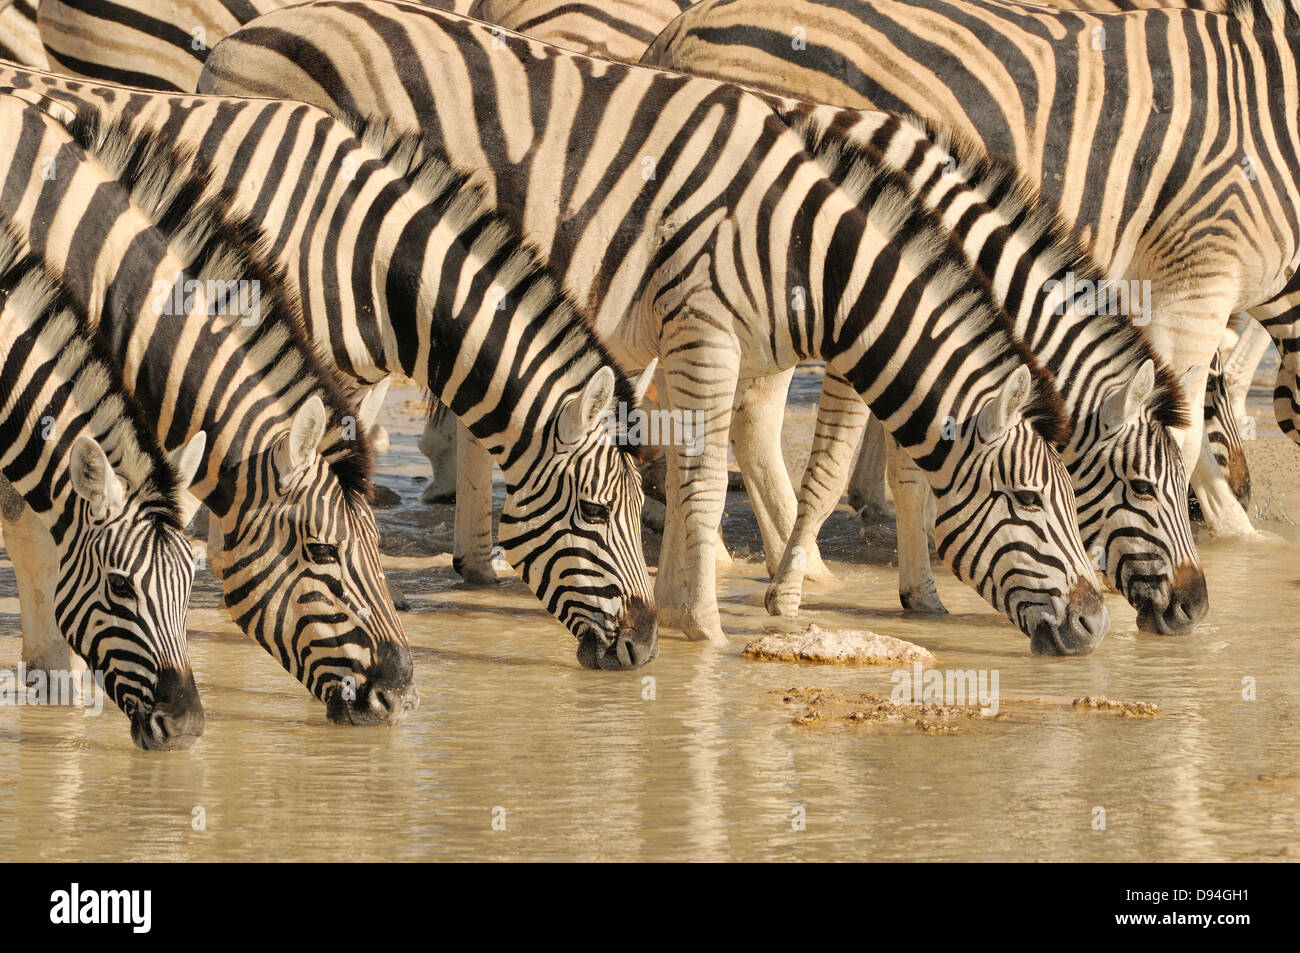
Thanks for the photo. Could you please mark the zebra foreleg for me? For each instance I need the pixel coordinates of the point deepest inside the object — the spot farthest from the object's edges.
(696, 485)
(36, 565)
(914, 503)
(472, 547)
(841, 417)
(756, 418)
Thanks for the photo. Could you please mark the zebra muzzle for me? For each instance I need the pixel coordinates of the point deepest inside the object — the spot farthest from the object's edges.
(631, 643)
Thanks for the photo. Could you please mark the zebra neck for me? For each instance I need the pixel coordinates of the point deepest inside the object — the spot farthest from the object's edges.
(493, 338)
(911, 331)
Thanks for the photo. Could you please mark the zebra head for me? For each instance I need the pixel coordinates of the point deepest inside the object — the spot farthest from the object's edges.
(300, 569)
(572, 530)
(124, 583)
(1006, 525)
(1132, 494)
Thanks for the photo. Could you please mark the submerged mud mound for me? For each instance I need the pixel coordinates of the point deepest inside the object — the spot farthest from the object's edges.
(821, 705)
(817, 706)
(838, 646)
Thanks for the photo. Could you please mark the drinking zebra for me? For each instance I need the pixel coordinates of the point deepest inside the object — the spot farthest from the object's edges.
(101, 491)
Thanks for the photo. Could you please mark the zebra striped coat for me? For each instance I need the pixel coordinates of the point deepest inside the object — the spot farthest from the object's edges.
(20, 38)
(741, 266)
(610, 29)
(1147, 128)
(153, 44)
(79, 451)
(207, 342)
(441, 293)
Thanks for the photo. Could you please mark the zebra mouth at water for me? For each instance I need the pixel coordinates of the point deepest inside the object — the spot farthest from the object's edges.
(628, 643)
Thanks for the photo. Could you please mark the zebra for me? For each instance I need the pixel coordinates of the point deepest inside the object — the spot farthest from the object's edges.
(1126, 466)
(78, 450)
(1204, 209)
(462, 310)
(20, 38)
(152, 44)
(284, 474)
(685, 252)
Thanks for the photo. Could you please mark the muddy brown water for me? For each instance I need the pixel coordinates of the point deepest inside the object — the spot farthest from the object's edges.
(517, 753)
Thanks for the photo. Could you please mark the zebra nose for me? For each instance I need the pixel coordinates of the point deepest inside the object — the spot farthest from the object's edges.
(1189, 602)
(387, 694)
(176, 719)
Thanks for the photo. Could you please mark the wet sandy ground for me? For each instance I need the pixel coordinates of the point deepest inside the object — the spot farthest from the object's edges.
(517, 753)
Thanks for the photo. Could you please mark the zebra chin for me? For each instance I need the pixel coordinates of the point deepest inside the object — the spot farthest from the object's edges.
(383, 698)
(634, 641)
(175, 719)
(1175, 610)
(1085, 625)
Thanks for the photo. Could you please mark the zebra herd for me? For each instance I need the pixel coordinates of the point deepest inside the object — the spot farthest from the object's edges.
(517, 221)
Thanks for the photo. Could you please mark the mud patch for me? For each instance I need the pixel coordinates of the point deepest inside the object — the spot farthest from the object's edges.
(821, 705)
(835, 646)
(1126, 709)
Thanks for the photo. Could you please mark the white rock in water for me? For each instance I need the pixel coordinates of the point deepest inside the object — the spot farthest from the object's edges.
(815, 644)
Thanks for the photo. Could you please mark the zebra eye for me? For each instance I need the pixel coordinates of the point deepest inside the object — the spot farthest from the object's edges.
(120, 586)
(322, 552)
(1143, 489)
(1028, 499)
(593, 512)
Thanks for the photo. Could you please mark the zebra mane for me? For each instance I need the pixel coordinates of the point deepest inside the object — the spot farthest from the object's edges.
(921, 238)
(27, 283)
(215, 243)
(462, 202)
(1249, 10)
(1032, 217)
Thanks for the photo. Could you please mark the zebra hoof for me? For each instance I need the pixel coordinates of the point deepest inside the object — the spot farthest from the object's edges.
(474, 574)
(434, 494)
(781, 601)
(922, 600)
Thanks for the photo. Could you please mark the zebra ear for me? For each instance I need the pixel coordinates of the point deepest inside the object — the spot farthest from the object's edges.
(1001, 413)
(1124, 403)
(1189, 379)
(93, 479)
(583, 412)
(297, 451)
(646, 379)
(185, 460)
(371, 404)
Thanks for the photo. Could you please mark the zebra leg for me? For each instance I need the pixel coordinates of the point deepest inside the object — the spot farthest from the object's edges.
(756, 419)
(867, 482)
(472, 549)
(1220, 508)
(438, 443)
(696, 485)
(1239, 369)
(841, 418)
(914, 503)
(36, 565)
